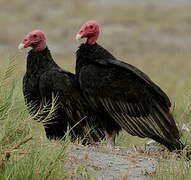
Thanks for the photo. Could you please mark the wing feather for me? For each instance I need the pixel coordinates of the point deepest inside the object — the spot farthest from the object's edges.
(129, 97)
(143, 124)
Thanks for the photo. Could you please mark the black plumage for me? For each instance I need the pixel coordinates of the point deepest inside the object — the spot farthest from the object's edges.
(129, 96)
(43, 80)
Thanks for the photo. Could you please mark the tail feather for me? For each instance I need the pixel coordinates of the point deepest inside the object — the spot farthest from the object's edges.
(176, 145)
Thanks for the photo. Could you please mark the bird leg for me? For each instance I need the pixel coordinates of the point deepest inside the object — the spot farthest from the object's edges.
(110, 139)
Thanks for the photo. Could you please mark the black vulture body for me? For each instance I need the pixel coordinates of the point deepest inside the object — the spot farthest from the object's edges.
(127, 95)
(43, 80)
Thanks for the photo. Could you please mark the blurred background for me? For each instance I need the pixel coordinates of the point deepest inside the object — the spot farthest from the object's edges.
(153, 35)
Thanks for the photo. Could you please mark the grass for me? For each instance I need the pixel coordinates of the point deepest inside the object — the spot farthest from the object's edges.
(25, 153)
(154, 38)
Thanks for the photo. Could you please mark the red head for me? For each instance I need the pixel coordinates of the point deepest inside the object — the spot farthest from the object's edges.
(89, 30)
(35, 39)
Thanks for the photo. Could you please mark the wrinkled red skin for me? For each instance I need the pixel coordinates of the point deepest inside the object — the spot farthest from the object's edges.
(36, 40)
(90, 30)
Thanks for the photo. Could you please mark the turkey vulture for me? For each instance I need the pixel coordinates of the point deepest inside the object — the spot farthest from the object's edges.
(45, 79)
(129, 96)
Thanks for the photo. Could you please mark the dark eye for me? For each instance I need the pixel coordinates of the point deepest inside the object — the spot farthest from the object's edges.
(34, 35)
(91, 26)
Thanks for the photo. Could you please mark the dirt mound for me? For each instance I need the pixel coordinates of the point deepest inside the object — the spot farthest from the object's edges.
(121, 163)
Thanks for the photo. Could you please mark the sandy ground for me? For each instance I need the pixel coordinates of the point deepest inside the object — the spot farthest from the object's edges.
(121, 163)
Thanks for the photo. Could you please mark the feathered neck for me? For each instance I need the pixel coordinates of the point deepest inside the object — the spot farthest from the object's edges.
(93, 52)
(39, 60)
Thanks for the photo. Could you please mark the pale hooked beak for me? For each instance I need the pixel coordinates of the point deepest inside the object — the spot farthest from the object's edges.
(78, 37)
(21, 46)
